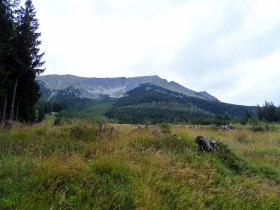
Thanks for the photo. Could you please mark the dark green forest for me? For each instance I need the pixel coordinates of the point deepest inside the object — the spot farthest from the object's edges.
(156, 104)
(20, 61)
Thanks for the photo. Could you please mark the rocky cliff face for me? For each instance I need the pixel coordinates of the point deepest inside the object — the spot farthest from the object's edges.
(94, 88)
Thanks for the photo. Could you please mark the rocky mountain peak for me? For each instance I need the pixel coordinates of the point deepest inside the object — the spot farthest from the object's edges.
(94, 88)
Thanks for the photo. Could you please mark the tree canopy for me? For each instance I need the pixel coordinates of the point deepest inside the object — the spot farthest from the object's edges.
(269, 112)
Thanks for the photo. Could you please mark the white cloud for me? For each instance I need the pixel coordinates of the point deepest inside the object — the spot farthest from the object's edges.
(255, 81)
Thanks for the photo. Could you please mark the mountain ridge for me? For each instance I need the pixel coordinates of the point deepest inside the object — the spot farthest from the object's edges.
(141, 102)
(94, 88)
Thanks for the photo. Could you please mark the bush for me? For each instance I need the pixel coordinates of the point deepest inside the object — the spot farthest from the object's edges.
(166, 128)
(261, 127)
(231, 160)
(57, 121)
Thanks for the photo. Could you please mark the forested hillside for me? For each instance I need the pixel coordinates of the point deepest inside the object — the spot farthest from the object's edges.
(156, 104)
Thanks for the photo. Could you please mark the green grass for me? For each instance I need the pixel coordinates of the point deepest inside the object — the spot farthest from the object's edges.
(70, 167)
(94, 111)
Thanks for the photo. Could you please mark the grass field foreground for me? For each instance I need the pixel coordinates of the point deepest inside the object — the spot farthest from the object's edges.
(70, 167)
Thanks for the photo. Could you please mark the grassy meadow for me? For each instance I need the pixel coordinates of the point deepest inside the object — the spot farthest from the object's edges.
(70, 167)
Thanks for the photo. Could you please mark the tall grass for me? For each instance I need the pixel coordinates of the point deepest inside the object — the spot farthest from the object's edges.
(71, 167)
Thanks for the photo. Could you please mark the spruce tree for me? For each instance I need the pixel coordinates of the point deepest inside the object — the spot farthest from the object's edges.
(20, 61)
(30, 57)
(8, 53)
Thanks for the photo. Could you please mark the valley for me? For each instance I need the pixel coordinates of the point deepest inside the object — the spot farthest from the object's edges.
(176, 106)
(138, 150)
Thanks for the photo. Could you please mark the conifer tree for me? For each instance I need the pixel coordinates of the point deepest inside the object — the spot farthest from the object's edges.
(20, 61)
(8, 58)
(268, 112)
(30, 57)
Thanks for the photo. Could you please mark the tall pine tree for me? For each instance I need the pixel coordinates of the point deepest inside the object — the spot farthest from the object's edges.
(26, 89)
(20, 61)
(8, 53)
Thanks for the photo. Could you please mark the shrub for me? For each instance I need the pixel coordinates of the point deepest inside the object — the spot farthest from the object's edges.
(166, 128)
(231, 160)
(57, 121)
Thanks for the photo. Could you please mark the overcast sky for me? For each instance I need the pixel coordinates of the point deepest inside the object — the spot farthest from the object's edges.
(229, 48)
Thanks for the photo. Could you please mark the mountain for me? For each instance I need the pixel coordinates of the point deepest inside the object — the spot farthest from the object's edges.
(72, 103)
(96, 88)
(157, 104)
(132, 100)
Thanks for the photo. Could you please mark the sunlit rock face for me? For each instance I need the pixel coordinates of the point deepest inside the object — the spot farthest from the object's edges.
(95, 88)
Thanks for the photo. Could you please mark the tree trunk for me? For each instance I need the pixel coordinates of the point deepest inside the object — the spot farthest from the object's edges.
(17, 113)
(13, 100)
(4, 110)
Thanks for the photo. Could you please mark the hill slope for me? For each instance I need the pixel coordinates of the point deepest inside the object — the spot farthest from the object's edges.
(157, 104)
(70, 102)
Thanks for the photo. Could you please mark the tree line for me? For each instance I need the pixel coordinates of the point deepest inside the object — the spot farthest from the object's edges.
(20, 61)
(269, 112)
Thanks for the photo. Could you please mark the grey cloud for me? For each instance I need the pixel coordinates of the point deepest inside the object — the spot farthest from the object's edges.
(200, 58)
